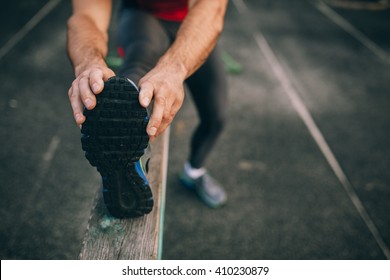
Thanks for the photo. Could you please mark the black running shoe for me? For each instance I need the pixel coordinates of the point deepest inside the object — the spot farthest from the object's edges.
(114, 139)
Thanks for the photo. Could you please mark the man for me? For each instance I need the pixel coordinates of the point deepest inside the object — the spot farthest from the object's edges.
(164, 43)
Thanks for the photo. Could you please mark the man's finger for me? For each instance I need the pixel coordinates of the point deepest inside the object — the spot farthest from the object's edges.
(161, 129)
(76, 104)
(157, 115)
(107, 73)
(169, 114)
(86, 95)
(96, 81)
(146, 94)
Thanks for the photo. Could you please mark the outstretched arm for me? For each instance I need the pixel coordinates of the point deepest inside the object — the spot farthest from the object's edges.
(194, 42)
(87, 49)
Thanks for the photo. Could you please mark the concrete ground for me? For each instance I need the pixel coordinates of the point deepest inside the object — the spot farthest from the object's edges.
(305, 155)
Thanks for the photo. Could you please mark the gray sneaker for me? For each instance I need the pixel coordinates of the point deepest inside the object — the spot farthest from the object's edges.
(207, 188)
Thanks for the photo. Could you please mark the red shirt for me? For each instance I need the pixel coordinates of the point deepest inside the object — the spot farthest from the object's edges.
(174, 10)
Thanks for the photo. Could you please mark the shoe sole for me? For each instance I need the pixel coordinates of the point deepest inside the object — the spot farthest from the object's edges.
(114, 138)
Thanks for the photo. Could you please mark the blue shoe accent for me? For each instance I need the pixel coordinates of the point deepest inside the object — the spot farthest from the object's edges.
(140, 170)
(186, 181)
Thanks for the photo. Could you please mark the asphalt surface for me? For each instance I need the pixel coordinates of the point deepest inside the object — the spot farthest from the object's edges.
(304, 157)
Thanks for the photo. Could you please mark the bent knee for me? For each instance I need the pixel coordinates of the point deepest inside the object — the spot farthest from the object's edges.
(215, 125)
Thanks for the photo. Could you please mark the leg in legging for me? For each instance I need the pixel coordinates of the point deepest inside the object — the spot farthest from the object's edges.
(209, 91)
(143, 41)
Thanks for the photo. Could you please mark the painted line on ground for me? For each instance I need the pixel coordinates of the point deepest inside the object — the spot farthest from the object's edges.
(49, 154)
(315, 132)
(44, 167)
(352, 30)
(38, 17)
(240, 6)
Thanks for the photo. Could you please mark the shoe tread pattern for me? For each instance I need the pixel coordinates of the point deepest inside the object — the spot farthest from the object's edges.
(114, 138)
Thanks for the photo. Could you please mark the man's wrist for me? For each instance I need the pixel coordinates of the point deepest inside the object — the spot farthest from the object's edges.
(176, 68)
(87, 64)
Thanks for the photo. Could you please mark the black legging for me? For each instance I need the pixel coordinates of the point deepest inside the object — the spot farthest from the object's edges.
(144, 39)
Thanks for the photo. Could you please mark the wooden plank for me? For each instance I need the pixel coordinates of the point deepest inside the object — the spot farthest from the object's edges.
(108, 238)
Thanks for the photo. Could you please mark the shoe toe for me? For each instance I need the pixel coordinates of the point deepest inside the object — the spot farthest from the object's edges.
(211, 192)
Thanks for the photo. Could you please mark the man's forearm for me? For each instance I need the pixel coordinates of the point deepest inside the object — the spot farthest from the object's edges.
(194, 41)
(86, 43)
(87, 48)
(196, 37)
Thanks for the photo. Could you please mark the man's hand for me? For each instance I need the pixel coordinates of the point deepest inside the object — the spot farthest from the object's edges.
(84, 88)
(165, 87)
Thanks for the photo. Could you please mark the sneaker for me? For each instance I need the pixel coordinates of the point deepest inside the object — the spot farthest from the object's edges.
(207, 188)
(114, 139)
